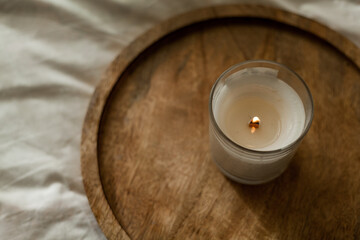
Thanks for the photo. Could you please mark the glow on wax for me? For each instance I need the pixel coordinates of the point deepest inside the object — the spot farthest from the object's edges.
(270, 99)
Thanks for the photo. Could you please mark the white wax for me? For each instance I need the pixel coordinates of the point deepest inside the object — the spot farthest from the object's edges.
(247, 94)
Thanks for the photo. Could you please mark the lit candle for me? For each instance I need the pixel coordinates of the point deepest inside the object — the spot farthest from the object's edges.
(259, 113)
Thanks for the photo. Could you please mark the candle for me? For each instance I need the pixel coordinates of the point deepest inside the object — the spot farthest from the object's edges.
(259, 113)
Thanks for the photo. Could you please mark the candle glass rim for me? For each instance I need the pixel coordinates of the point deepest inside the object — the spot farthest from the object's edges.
(234, 144)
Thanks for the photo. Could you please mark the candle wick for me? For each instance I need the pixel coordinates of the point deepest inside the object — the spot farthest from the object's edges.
(254, 123)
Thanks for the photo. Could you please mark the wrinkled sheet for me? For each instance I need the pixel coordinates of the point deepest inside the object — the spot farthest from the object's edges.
(52, 55)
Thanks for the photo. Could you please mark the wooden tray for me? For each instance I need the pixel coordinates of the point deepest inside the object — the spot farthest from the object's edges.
(145, 153)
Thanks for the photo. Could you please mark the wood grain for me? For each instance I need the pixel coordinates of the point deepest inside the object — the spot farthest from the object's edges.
(145, 157)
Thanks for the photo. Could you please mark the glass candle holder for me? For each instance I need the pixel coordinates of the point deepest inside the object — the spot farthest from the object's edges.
(259, 113)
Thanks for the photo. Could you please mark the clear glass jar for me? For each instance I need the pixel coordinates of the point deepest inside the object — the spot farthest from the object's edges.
(253, 166)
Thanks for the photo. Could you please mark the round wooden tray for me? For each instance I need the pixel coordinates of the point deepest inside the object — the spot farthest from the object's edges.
(145, 153)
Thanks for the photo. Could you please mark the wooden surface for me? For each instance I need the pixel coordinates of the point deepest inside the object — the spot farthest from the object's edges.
(145, 156)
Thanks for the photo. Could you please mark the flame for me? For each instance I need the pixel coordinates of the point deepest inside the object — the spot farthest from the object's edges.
(254, 123)
(252, 129)
(255, 120)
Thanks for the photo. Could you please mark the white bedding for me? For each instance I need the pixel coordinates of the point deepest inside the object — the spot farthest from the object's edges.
(52, 54)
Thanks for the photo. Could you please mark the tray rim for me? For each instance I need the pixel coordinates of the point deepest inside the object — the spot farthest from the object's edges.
(89, 139)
